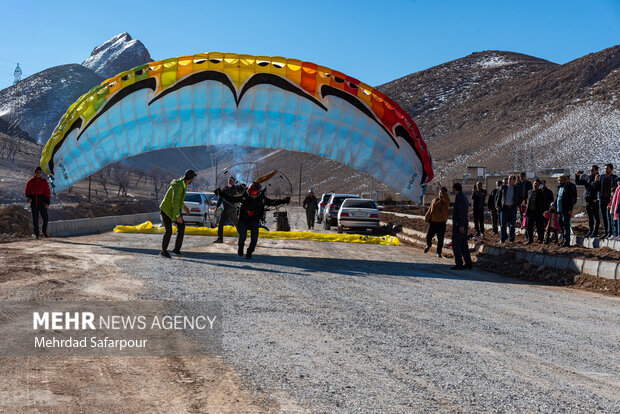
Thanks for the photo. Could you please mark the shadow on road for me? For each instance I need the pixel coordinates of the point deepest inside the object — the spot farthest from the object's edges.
(342, 266)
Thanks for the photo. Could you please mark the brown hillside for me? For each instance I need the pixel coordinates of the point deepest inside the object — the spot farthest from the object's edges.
(511, 111)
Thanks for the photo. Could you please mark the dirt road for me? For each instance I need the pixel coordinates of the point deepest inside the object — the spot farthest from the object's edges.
(319, 327)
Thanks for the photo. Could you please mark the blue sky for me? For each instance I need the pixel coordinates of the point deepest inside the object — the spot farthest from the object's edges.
(375, 41)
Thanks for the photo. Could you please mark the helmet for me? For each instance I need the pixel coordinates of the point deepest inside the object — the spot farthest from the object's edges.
(254, 188)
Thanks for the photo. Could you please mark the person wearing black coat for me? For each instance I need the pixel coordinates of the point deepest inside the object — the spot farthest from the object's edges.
(549, 198)
(565, 201)
(311, 205)
(253, 202)
(460, 225)
(478, 198)
(229, 212)
(592, 186)
(534, 210)
(491, 206)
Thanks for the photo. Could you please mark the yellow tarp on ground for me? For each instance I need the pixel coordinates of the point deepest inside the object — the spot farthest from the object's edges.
(230, 231)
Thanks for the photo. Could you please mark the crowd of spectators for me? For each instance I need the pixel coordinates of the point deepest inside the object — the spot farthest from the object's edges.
(546, 218)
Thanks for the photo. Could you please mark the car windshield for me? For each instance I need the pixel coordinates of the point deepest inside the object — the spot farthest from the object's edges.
(193, 198)
(360, 204)
(339, 200)
(325, 198)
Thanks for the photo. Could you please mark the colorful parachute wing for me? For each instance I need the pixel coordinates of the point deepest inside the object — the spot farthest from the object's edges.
(230, 99)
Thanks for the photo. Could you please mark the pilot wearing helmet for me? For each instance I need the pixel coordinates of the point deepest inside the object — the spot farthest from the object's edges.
(253, 202)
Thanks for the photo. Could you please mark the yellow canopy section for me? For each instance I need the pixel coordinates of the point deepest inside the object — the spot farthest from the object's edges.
(230, 231)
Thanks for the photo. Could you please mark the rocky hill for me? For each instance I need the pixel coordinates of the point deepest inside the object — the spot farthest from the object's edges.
(117, 55)
(39, 101)
(509, 111)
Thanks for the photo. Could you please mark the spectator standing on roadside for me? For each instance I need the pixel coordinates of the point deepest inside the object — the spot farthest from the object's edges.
(478, 198)
(491, 205)
(436, 217)
(608, 182)
(592, 187)
(460, 225)
(524, 186)
(38, 195)
(508, 200)
(615, 208)
(311, 205)
(534, 210)
(567, 197)
(549, 198)
(171, 211)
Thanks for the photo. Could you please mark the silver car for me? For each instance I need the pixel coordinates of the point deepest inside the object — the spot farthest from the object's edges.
(330, 214)
(202, 209)
(322, 203)
(358, 213)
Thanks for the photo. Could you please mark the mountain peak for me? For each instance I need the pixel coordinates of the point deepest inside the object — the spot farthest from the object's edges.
(116, 55)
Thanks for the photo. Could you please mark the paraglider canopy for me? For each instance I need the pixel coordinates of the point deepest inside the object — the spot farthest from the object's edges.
(230, 99)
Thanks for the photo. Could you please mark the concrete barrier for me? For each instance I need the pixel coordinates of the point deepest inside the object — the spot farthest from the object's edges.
(593, 242)
(590, 267)
(608, 270)
(80, 227)
(604, 269)
(576, 265)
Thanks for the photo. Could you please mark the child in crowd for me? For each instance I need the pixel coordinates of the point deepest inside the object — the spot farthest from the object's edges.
(553, 223)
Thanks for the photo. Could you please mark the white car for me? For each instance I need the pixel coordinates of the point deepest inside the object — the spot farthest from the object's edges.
(330, 214)
(358, 213)
(202, 209)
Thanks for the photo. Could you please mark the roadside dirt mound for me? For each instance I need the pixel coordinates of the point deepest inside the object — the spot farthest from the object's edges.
(603, 253)
(15, 221)
(508, 265)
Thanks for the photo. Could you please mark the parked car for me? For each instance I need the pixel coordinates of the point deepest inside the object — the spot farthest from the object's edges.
(358, 213)
(330, 214)
(322, 203)
(202, 209)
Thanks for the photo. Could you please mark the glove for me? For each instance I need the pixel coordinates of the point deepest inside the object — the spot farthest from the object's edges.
(287, 199)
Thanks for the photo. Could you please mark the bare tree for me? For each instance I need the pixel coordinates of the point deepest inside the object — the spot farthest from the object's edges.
(3, 148)
(141, 174)
(103, 176)
(159, 178)
(12, 146)
(121, 176)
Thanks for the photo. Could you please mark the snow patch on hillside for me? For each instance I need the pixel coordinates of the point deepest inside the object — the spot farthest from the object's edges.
(494, 62)
(581, 136)
(116, 55)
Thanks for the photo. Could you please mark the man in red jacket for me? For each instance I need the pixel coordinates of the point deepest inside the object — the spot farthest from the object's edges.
(38, 195)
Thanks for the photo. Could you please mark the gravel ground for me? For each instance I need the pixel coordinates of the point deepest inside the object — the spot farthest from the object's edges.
(352, 328)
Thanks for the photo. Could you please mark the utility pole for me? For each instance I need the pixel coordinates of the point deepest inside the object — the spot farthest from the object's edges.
(18, 75)
(300, 171)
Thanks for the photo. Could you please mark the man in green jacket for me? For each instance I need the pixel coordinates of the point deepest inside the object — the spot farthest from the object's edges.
(171, 208)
